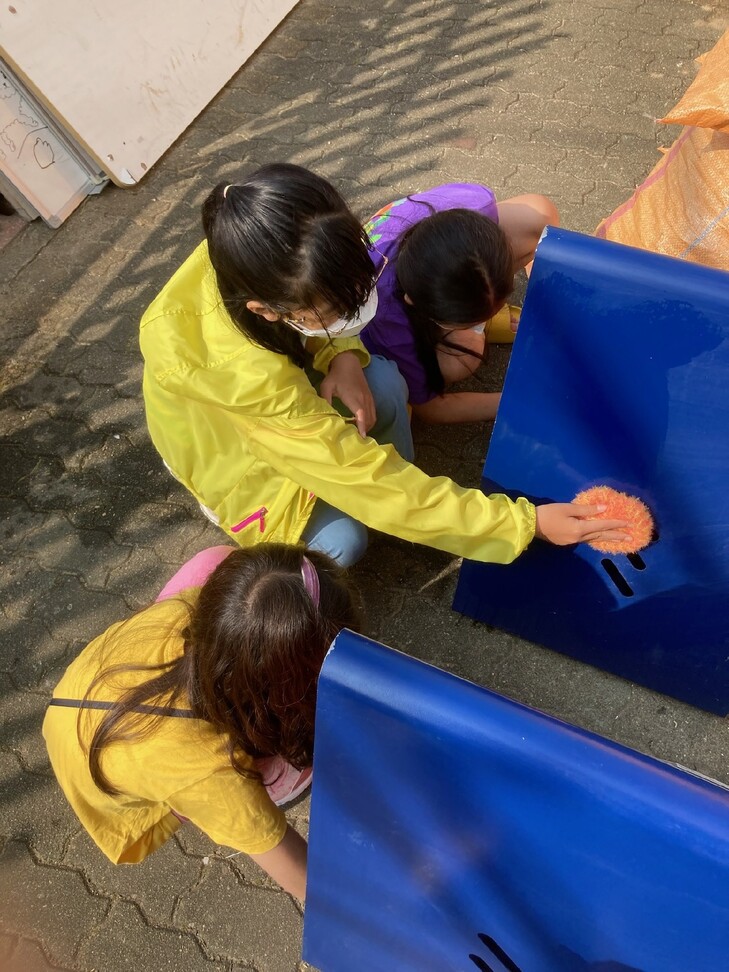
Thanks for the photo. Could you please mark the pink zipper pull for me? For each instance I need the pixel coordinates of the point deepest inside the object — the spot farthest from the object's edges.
(258, 515)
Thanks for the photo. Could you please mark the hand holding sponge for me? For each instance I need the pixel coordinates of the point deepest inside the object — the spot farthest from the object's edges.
(620, 506)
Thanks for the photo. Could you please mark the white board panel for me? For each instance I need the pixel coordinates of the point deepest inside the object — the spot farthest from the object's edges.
(36, 158)
(125, 79)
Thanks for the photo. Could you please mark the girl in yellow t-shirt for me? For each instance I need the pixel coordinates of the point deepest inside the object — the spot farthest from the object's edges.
(201, 708)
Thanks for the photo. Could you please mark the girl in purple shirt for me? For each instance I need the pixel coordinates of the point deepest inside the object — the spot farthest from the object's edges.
(450, 255)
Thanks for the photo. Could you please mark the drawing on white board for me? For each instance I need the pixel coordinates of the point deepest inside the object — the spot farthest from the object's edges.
(16, 136)
(43, 152)
(36, 159)
(12, 135)
(20, 143)
(24, 110)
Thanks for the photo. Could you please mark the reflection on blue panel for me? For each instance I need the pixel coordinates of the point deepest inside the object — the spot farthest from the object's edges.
(453, 831)
(619, 375)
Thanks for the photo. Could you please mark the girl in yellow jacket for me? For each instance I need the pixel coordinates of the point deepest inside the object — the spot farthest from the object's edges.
(245, 350)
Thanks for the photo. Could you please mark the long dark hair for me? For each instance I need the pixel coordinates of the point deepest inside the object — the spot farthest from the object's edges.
(285, 237)
(253, 646)
(456, 267)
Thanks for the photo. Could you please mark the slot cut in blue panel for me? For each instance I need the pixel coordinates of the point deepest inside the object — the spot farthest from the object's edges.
(619, 376)
(453, 830)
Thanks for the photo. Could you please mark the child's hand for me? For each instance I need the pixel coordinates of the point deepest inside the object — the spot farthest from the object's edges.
(346, 381)
(565, 523)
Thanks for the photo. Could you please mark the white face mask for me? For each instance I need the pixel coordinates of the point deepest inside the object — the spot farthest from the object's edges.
(343, 327)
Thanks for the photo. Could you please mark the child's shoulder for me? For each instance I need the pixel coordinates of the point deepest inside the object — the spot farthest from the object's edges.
(396, 216)
(152, 636)
(456, 195)
(190, 288)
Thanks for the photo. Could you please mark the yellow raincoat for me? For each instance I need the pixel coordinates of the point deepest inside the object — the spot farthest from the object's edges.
(244, 430)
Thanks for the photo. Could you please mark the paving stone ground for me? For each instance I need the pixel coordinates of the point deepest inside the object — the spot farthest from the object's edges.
(557, 96)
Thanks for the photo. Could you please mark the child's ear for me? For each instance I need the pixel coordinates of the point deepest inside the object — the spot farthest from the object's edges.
(407, 300)
(256, 307)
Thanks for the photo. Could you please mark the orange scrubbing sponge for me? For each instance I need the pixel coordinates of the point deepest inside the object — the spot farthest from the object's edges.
(619, 506)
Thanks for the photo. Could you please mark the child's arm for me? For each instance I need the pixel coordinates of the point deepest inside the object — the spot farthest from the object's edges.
(286, 863)
(459, 407)
(523, 219)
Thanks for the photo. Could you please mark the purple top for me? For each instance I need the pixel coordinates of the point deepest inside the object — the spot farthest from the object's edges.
(389, 332)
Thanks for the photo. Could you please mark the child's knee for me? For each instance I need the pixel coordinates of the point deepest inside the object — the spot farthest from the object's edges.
(549, 210)
(346, 544)
(458, 368)
(458, 365)
(388, 388)
(353, 544)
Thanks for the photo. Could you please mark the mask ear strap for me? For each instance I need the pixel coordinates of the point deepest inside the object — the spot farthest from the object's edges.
(311, 580)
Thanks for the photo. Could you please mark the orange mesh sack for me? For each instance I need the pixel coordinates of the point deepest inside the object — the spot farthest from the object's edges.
(706, 103)
(682, 208)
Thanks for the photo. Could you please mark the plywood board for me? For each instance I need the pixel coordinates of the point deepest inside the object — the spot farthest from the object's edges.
(127, 79)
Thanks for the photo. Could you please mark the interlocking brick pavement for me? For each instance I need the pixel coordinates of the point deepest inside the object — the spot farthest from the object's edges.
(558, 96)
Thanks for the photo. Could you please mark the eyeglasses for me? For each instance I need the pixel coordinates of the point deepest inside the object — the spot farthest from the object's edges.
(303, 326)
(379, 273)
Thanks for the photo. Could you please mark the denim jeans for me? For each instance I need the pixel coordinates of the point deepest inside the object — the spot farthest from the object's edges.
(329, 530)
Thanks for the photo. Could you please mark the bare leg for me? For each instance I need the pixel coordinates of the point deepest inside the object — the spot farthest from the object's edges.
(523, 219)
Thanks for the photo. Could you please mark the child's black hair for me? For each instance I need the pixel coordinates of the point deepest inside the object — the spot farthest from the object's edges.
(456, 268)
(286, 238)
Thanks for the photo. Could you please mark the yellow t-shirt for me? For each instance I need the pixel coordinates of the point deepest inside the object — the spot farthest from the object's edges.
(182, 765)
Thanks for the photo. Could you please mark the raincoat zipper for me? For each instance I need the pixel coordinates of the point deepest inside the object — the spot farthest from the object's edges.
(258, 515)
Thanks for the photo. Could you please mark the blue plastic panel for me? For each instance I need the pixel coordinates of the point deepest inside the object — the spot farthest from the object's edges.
(449, 822)
(619, 375)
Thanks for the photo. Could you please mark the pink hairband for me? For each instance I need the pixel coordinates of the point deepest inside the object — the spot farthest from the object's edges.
(311, 580)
